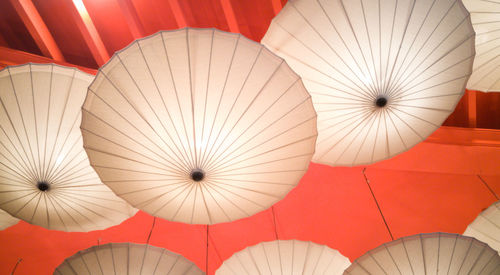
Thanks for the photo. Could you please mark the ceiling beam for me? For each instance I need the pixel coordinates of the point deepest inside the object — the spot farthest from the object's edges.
(179, 15)
(277, 6)
(37, 28)
(14, 57)
(471, 108)
(133, 21)
(230, 15)
(89, 33)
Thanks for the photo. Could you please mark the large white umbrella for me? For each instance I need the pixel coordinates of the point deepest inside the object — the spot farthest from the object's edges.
(6, 220)
(198, 126)
(45, 176)
(434, 253)
(485, 16)
(285, 258)
(126, 258)
(383, 74)
(486, 227)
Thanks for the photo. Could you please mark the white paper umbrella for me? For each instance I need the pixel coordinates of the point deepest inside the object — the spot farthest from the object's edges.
(45, 176)
(485, 16)
(434, 253)
(6, 220)
(285, 258)
(486, 227)
(383, 74)
(198, 126)
(126, 258)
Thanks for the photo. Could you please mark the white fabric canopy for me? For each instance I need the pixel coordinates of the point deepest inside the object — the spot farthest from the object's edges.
(486, 227)
(127, 258)
(6, 220)
(383, 74)
(45, 176)
(198, 126)
(285, 258)
(434, 253)
(485, 16)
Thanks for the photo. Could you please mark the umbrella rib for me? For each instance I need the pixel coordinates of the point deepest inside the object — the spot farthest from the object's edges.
(36, 207)
(364, 116)
(207, 187)
(217, 184)
(165, 106)
(195, 165)
(134, 126)
(135, 141)
(229, 167)
(47, 124)
(220, 99)
(23, 123)
(116, 156)
(401, 90)
(68, 92)
(218, 159)
(257, 119)
(216, 163)
(210, 219)
(178, 102)
(370, 90)
(172, 165)
(210, 155)
(267, 152)
(427, 40)
(182, 202)
(412, 43)
(213, 185)
(39, 170)
(14, 171)
(56, 165)
(206, 92)
(23, 164)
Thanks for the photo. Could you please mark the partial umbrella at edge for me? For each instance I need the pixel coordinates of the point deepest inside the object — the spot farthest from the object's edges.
(6, 220)
(486, 227)
(485, 16)
(127, 258)
(432, 253)
(198, 126)
(45, 176)
(383, 75)
(285, 257)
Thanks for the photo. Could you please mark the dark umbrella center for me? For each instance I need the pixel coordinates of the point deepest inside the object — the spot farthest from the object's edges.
(381, 102)
(197, 175)
(43, 186)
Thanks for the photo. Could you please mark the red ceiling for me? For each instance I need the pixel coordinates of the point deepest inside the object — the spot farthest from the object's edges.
(440, 185)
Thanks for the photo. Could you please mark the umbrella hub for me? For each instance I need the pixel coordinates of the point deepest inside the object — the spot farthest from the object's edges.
(197, 174)
(381, 101)
(43, 186)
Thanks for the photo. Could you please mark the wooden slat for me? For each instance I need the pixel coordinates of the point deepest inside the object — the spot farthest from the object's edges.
(37, 28)
(230, 15)
(277, 6)
(132, 18)
(14, 57)
(89, 32)
(472, 109)
(179, 15)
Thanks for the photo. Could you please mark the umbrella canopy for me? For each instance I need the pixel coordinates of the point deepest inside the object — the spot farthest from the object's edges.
(126, 258)
(45, 176)
(383, 74)
(6, 220)
(285, 257)
(486, 227)
(485, 16)
(433, 253)
(198, 126)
